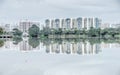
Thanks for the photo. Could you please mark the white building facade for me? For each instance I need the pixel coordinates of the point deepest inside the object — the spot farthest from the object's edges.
(71, 23)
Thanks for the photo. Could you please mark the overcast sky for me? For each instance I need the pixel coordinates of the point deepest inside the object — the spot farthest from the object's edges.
(39, 10)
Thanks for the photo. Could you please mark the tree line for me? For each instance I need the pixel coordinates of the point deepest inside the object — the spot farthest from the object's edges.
(92, 32)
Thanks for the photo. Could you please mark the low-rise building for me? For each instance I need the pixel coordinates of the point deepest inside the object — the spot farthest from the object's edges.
(105, 25)
(115, 26)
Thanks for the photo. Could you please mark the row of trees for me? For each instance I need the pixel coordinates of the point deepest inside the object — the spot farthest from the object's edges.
(92, 32)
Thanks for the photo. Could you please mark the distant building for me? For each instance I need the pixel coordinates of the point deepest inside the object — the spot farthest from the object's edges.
(115, 26)
(105, 25)
(70, 23)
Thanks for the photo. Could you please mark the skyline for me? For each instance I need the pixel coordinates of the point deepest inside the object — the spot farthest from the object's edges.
(39, 10)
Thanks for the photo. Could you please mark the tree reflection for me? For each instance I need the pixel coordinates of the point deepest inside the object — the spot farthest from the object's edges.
(34, 42)
(17, 40)
(95, 41)
(1, 43)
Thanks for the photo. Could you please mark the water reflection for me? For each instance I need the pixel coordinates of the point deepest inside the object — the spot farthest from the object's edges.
(59, 46)
(1, 43)
(17, 40)
(73, 48)
(34, 42)
(30, 44)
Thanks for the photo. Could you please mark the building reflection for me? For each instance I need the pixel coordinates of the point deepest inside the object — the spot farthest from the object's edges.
(29, 45)
(81, 48)
(61, 46)
(24, 46)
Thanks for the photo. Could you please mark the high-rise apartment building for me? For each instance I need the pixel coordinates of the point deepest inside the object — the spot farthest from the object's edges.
(77, 23)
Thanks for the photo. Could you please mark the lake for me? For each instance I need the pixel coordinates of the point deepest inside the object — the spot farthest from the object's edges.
(33, 56)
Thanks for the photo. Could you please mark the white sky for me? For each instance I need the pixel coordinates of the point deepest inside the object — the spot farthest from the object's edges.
(38, 10)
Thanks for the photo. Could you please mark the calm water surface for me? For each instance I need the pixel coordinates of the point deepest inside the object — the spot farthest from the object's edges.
(59, 56)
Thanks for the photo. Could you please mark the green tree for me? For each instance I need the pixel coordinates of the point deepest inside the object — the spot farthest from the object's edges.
(76, 31)
(99, 32)
(1, 31)
(84, 31)
(118, 30)
(17, 32)
(34, 31)
(60, 31)
(113, 32)
(91, 32)
(104, 32)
